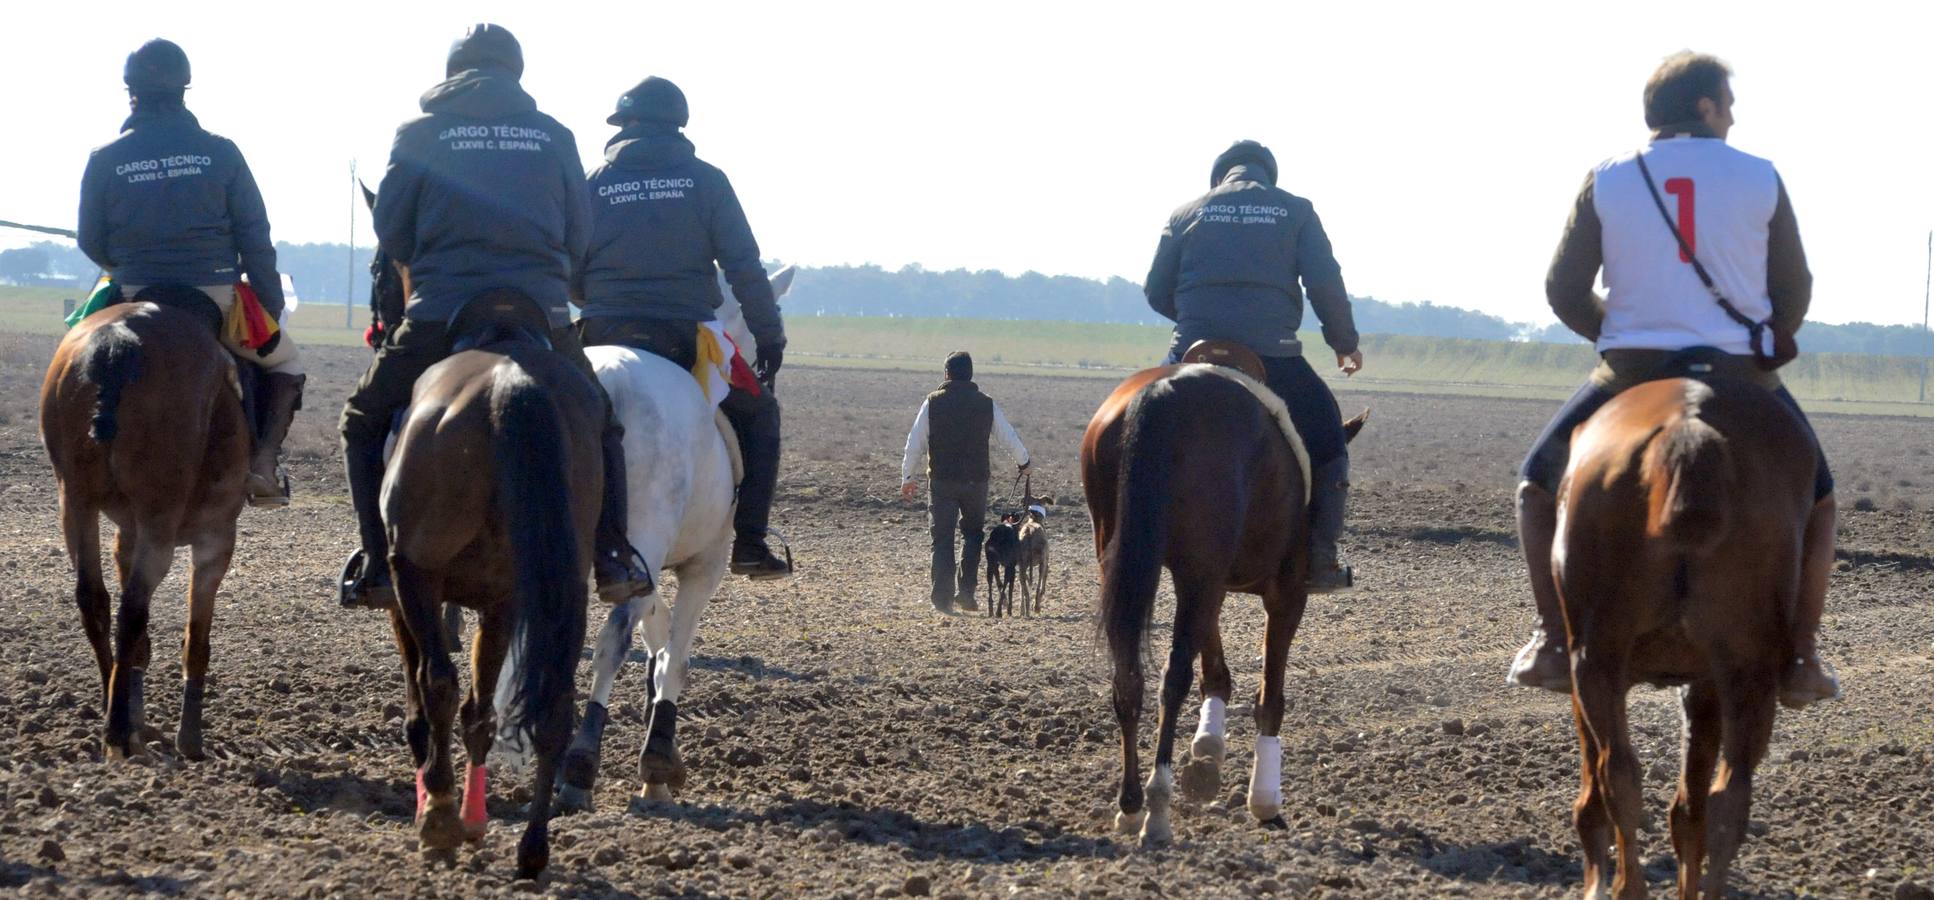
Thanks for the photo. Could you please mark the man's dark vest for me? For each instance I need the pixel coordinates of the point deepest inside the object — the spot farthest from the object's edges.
(959, 420)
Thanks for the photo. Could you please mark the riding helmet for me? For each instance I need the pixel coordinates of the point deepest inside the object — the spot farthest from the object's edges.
(486, 46)
(159, 65)
(653, 100)
(1239, 153)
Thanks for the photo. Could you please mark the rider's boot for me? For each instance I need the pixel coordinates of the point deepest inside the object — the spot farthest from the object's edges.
(1806, 677)
(267, 485)
(366, 578)
(1329, 492)
(1545, 662)
(618, 570)
(758, 434)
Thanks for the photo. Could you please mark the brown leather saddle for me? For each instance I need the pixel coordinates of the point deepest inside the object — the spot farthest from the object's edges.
(1228, 354)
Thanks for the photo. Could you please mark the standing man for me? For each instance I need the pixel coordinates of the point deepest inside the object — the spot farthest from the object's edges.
(168, 204)
(951, 432)
(1233, 265)
(1746, 237)
(483, 192)
(664, 223)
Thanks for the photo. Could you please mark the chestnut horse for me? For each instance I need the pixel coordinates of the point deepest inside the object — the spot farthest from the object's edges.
(1677, 557)
(1184, 466)
(142, 418)
(490, 498)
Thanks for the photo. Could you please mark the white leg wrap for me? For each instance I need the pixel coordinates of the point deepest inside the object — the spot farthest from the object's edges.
(1213, 722)
(609, 656)
(1266, 784)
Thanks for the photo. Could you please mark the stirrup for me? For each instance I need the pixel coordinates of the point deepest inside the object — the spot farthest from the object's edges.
(354, 590)
(263, 493)
(623, 576)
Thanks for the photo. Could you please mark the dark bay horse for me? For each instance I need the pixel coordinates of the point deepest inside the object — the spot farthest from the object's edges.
(490, 498)
(1184, 466)
(1680, 526)
(142, 418)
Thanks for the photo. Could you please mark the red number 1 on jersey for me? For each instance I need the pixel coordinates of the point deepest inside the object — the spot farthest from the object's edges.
(1682, 189)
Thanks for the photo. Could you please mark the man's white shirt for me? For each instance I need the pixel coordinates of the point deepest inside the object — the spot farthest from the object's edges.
(916, 450)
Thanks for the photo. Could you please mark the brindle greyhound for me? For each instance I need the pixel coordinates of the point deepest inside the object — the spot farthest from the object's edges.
(141, 417)
(1185, 467)
(1680, 525)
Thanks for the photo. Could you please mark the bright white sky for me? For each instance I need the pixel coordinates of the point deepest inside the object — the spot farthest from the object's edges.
(1441, 142)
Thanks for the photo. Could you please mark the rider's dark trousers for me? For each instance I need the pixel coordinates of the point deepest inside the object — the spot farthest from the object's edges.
(949, 502)
(385, 390)
(754, 417)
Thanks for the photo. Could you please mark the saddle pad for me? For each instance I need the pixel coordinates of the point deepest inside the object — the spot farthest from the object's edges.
(1277, 409)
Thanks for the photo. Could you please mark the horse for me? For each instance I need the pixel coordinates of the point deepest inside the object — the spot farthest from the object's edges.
(491, 497)
(682, 483)
(1188, 466)
(1681, 521)
(142, 418)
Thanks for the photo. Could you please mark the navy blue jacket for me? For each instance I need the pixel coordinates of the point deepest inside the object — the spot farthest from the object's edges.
(483, 192)
(1232, 265)
(662, 217)
(169, 203)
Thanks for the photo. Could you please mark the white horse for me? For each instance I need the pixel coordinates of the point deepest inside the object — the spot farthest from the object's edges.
(681, 494)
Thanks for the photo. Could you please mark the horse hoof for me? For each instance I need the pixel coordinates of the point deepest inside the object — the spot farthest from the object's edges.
(188, 744)
(1156, 833)
(572, 799)
(445, 857)
(658, 793)
(659, 769)
(1266, 811)
(1275, 824)
(441, 828)
(1201, 779)
(1207, 747)
(151, 735)
(1129, 823)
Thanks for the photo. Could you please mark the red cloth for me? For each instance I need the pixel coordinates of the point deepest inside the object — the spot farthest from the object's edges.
(742, 376)
(256, 327)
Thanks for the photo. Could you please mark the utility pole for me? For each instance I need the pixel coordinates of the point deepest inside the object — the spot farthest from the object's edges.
(349, 287)
(1925, 287)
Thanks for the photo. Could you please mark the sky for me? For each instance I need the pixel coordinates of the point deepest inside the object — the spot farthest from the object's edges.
(1442, 143)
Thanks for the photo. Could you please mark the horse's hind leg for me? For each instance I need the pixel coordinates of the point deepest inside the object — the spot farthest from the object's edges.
(80, 524)
(1701, 702)
(1598, 686)
(487, 653)
(1202, 777)
(579, 771)
(1197, 599)
(660, 762)
(551, 729)
(416, 727)
(1589, 812)
(418, 595)
(209, 563)
(144, 557)
(1747, 699)
(1128, 712)
(1283, 603)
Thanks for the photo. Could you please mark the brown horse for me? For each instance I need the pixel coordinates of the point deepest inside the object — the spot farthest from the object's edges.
(1185, 467)
(490, 498)
(141, 416)
(1680, 526)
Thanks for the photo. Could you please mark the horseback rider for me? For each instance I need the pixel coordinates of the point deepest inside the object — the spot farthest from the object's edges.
(1744, 237)
(1233, 264)
(168, 204)
(664, 223)
(951, 431)
(483, 193)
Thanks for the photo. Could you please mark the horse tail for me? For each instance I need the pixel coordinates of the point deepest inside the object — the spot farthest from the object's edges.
(113, 362)
(549, 587)
(1691, 474)
(1133, 566)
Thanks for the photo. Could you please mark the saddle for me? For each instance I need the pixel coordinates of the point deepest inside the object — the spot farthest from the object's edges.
(1228, 354)
(185, 299)
(499, 316)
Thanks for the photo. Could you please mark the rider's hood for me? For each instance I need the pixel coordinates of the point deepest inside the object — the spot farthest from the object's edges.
(648, 145)
(478, 94)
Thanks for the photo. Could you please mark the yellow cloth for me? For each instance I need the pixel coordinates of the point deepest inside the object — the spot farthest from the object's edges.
(713, 364)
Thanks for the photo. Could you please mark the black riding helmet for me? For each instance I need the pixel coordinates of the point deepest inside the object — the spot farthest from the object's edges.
(653, 100)
(1239, 153)
(486, 46)
(159, 65)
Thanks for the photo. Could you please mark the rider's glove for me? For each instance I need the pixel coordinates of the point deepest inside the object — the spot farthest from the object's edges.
(770, 358)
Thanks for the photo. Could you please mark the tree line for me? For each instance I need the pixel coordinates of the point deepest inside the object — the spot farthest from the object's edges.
(324, 273)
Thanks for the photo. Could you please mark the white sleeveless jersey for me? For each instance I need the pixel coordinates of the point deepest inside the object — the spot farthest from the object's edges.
(1723, 202)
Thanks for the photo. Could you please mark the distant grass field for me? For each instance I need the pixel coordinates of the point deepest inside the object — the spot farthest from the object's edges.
(1829, 382)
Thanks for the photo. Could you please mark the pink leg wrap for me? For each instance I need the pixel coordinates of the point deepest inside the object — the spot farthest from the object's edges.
(475, 814)
(422, 793)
